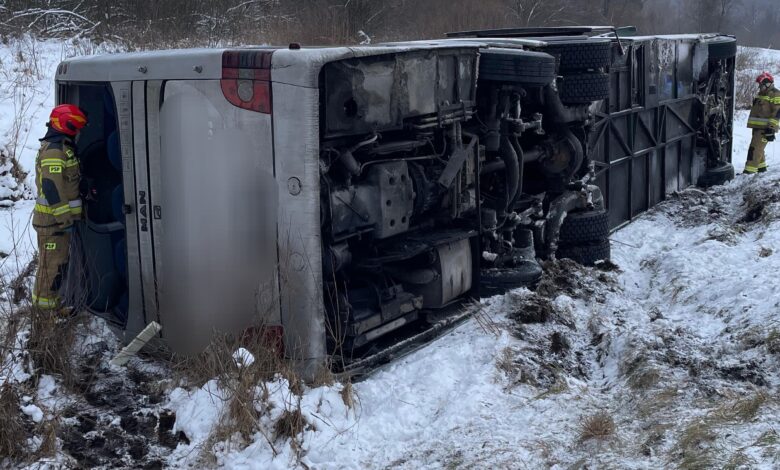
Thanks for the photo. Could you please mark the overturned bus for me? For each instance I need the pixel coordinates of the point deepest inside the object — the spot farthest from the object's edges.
(346, 197)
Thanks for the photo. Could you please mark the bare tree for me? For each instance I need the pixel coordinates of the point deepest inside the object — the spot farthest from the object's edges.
(537, 12)
(177, 23)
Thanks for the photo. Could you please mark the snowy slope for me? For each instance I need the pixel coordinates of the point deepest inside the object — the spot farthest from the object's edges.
(669, 361)
(675, 349)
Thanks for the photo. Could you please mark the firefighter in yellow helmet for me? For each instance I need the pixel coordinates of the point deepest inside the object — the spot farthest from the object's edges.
(764, 120)
(58, 204)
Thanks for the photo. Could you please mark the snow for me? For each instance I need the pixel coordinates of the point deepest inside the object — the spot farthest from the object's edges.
(197, 412)
(33, 412)
(680, 348)
(688, 313)
(243, 358)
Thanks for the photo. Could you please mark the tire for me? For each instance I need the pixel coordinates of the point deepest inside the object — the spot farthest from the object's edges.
(584, 88)
(716, 176)
(586, 254)
(497, 281)
(513, 66)
(722, 48)
(581, 55)
(583, 227)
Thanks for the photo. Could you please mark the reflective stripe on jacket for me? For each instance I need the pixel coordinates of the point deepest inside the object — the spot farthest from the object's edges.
(765, 113)
(57, 177)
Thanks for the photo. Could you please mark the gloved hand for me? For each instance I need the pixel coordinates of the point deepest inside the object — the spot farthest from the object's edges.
(769, 135)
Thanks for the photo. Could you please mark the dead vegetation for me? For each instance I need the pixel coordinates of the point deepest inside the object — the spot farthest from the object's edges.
(773, 341)
(768, 442)
(644, 378)
(657, 405)
(693, 207)
(505, 362)
(642, 368)
(567, 277)
(18, 286)
(244, 385)
(50, 344)
(551, 347)
(693, 445)
(48, 430)
(750, 63)
(756, 204)
(726, 234)
(13, 432)
(696, 445)
(599, 426)
(741, 410)
(290, 424)
(532, 309)
(348, 395)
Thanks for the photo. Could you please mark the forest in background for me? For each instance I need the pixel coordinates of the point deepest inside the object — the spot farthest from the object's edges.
(154, 24)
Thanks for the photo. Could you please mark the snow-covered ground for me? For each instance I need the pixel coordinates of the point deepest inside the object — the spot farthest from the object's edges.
(678, 349)
(669, 360)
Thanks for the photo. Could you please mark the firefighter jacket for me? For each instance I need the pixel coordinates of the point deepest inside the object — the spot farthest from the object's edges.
(58, 202)
(765, 113)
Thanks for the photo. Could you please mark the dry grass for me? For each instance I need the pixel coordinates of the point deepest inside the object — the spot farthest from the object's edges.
(506, 362)
(750, 63)
(773, 341)
(217, 361)
(324, 376)
(13, 434)
(654, 437)
(244, 389)
(242, 412)
(768, 442)
(290, 424)
(693, 448)
(738, 460)
(18, 285)
(742, 410)
(50, 345)
(348, 395)
(767, 439)
(558, 387)
(658, 402)
(599, 426)
(48, 430)
(640, 371)
(644, 378)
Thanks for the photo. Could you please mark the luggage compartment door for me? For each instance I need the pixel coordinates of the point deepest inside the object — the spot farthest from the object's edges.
(211, 209)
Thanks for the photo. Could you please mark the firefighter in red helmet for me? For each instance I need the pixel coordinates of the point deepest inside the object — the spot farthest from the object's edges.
(58, 203)
(764, 119)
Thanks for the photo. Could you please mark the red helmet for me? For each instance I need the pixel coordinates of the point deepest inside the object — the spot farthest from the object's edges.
(68, 119)
(764, 77)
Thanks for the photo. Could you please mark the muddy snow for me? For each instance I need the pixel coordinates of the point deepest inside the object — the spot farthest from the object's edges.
(668, 357)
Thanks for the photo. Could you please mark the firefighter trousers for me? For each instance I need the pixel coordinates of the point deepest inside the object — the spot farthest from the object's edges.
(53, 251)
(756, 160)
